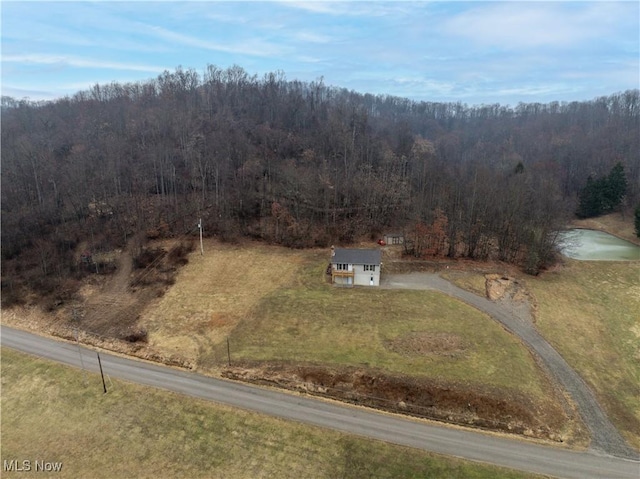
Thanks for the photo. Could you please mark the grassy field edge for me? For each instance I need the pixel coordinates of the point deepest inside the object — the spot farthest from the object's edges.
(53, 413)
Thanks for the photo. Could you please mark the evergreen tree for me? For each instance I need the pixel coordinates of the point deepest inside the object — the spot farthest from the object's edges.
(591, 199)
(604, 194)
(615, 187)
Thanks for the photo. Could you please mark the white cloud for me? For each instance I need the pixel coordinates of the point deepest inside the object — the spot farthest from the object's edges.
(535, 90)
(41, 59)
(330, 8)
(253, 47)
(33, 94)
(312, 37)
(531, 25)
(349, 8)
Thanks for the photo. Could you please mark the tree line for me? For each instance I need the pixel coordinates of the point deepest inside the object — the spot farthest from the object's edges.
(300, 164)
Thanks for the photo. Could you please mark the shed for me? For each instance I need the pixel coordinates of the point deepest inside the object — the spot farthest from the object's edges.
(394, 238)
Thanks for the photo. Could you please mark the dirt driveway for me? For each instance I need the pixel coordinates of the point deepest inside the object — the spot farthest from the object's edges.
(604, 436)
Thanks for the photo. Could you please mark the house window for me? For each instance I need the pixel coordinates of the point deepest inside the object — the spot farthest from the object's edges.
(342, 267)
(369, 267)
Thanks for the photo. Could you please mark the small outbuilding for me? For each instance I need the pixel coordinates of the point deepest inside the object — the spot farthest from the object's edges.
(359, 267)
(394, 238)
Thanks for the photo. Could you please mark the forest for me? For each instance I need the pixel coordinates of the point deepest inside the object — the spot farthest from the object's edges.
(301, 164)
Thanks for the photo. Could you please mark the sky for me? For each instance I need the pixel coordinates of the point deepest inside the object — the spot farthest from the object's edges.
(472, 52)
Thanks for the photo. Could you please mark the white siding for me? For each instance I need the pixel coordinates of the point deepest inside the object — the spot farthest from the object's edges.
(363, 278)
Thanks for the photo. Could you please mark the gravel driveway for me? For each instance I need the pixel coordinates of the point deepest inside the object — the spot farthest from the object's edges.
(604, 436)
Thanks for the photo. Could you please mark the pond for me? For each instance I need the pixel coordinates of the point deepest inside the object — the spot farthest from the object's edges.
(594, 245)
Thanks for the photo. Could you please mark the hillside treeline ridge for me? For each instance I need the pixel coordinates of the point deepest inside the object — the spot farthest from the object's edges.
(301, 164)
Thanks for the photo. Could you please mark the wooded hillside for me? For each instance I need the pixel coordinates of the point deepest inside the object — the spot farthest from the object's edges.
(301, 164)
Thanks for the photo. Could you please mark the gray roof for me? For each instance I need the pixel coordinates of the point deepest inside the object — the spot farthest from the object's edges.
(357, 256)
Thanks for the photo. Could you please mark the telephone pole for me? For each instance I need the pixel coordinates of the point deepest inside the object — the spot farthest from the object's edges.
(104, 385)
(76, 317)
(200, 228)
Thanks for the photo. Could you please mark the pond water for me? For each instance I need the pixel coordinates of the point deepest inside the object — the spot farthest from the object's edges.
(596, 245)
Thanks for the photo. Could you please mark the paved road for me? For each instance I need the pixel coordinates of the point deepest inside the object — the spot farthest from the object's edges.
(604, 436)
(476, 446)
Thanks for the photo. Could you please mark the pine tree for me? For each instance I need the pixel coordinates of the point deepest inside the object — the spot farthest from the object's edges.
(591, 199)
(615, 187)
(604, 194)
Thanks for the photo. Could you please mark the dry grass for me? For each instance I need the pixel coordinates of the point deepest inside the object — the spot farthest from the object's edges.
(590, 312)
(274, 305)
(474, 282)
(134, 431)
(213, 293)
(314, 322)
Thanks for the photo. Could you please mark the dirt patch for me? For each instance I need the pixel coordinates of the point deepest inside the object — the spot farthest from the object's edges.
(462, 404)
(106, 309)
(422, 343)
(113, 307)
(511, 294)
(504, 287)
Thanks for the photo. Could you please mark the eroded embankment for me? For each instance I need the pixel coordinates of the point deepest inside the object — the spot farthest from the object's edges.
(457, 403)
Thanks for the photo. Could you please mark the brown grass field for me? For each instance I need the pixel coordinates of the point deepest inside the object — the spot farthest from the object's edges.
(50, 414)
(274, 304)
(276, 310)
(213, 293)
(278, 313)
(590, 312)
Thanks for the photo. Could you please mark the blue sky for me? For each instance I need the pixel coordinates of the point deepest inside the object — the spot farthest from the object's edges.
(473, 52)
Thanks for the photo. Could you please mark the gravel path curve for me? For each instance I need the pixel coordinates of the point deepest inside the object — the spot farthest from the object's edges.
(604, 436)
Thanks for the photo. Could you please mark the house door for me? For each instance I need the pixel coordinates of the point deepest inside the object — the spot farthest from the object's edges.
(371, 281)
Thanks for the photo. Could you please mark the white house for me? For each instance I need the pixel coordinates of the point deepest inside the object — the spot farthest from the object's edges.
(351, 267)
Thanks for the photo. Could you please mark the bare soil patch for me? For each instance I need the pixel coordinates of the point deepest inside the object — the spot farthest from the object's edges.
(449, 401)
(421, 343)
(112, 307)
(512, 294)
(107, 309)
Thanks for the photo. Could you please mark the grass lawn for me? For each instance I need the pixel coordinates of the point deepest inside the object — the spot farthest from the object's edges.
(590, 312)
(49, 414)
(274, 305)
(312, 321)
(213, 293)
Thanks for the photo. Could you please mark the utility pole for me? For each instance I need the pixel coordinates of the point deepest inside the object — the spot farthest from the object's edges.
(200, 228)
(76, 317)
(104, 385)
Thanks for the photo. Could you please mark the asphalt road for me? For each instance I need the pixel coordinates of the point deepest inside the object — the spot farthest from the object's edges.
(472, 445)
